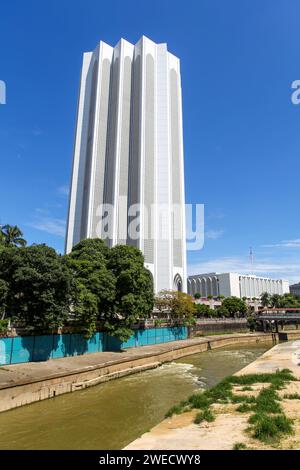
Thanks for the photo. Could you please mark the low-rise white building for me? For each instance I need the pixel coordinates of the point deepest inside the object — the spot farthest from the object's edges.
(234, 284)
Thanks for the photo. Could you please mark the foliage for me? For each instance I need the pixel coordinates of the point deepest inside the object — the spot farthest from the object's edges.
(292, 396)
(206, 415)
(267, 421)
(203, 310)
(265, 299)
(197, 296)
(3, 296)
(239, 446)
(222, 311)
(93, 287)
(174, 410)
(110, 285)
(235, 305)
(244, 408)
(265, 403)
(268, 428)
(11, 236)
(251, 323)
(177, 305)
(4, 326)
(134, 297)
(38, 285)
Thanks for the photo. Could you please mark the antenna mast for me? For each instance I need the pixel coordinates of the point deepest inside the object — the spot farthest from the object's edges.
(251, 259)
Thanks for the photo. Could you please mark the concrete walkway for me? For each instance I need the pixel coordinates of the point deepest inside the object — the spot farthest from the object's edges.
(30, 372)
(180, 432)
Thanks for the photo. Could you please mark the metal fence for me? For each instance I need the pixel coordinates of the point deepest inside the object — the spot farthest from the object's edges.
(21, 349)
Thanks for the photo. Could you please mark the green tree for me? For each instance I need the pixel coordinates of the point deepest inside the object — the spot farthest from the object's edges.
(94, 285)
(177, 305)
(235, 305)
(265, 299)
(12, 236)
(203, 310)
(197, 296)
(222, 311)
(3, 297)
(289, 300)
(134, 290)
(38, 285)
(275, 301)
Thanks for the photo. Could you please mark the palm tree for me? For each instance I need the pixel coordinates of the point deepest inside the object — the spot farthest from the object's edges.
(12, 236)
(275, 301)
(265, 299)
(2, 237)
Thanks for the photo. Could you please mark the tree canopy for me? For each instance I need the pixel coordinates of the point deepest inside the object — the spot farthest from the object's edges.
(134, 297)
(41, 289)
(11, 236)
(110, 284)
(235, 305)
(37, 284)
(177, 305)
(94, 285)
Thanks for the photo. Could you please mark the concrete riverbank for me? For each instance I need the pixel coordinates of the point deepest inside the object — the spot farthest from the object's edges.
(230, 427)
(21, 384)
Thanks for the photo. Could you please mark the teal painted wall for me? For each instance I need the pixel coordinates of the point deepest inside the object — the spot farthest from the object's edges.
(41, 348)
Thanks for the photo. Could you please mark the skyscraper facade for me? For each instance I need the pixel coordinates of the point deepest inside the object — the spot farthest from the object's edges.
(128, 169)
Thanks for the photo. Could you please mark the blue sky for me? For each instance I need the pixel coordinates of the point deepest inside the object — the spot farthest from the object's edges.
(241, 130)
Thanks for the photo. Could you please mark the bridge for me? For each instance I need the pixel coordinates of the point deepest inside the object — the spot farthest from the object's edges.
(272, 317)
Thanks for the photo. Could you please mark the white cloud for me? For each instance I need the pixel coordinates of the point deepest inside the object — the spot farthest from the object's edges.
(37, 131)
(285, 244)
(63, 190)
(50, 225)
(214, 234)
(218, 214)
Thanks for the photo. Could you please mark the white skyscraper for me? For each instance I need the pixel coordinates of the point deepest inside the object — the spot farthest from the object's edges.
(128, 152)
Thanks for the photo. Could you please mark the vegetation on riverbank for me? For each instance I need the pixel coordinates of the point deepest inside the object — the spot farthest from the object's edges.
(267, 421)
(43, 290)
(40, 289)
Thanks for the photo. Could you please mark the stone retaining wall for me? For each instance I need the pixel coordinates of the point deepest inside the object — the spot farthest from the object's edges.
(25, 393)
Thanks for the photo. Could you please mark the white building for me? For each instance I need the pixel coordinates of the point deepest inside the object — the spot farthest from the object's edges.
(233, 284)
(129, 151)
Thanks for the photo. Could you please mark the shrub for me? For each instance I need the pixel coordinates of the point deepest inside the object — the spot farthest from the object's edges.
(292, 396)
(267, 428)
(4, 326)
(267, 401)
(244, 408)
(199, 400)
(206, 415)
(175, 410)
(239, 446)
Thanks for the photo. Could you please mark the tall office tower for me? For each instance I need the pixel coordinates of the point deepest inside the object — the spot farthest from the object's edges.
(129, 154)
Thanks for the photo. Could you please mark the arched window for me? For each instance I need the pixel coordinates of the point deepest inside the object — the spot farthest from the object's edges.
(177, 283)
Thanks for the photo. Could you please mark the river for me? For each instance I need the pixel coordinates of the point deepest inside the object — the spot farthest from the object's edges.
(111, 415)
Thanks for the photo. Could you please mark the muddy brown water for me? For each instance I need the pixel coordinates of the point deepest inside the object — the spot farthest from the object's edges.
(111, 415)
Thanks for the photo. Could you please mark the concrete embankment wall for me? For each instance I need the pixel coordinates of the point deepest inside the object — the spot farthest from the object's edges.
(215, 326)
(28, 391)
